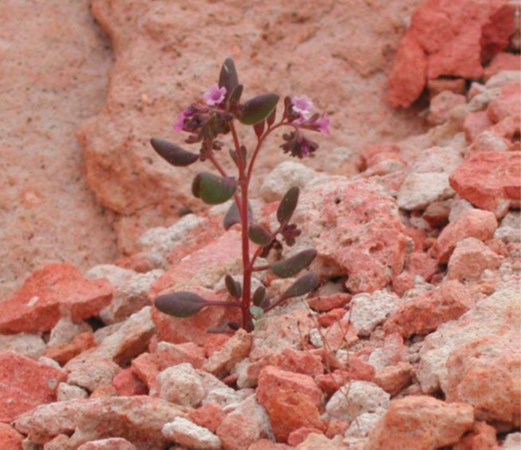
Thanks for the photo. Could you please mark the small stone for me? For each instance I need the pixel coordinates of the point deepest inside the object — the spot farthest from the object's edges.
(128, 383)
(210, 416)
(93, 373)
(392, 379)
(191, 435)
(356, 398)
(370, 310)
(419, 190)
(70, 392)
(63, 353)
(233, 351)
(482, 436)
(30, 345)
(442, 105)
(285, 176)
(181, 385)
(66, 330)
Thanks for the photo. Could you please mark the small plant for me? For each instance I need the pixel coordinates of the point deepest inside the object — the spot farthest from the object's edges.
(205, 123)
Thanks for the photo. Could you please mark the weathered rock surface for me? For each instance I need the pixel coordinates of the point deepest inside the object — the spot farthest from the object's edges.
(190, 435)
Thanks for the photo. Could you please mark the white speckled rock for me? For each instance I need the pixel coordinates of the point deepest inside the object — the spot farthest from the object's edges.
(191, 435)
(512, 442)
(70, 392)
(181, 385)
(66, 330)
(419, 190)
(285, 176)
(115, 274)
(370, 310)
(93, 373)
(30, 345)
(356, 398)
(364, 424)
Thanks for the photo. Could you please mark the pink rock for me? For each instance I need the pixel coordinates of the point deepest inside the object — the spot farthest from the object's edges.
(210, 416)
(266, 444)
(272, 379)
(63, 353)
(233, 351)
(298, 436)
(423, 315)
(329, 302)
(127, 383)
(173, 354)
(497, 31)
(421, 422)
(485, 374)
(422, 264)
(470, 258)
(147, 369)
(471, 223)
(139, 419)
(482, 437)
(301, 362)
(507, 104)
(356, 230)
(392, 379)
(56, 291)
(370, 154)
(108, 444)
(490, 180)
(328, 319)
(214, 344)
(10, 439)
(475, 123)
(24, 384)
(502, 62)
(438, 85)
(409, 74)
(202, 268)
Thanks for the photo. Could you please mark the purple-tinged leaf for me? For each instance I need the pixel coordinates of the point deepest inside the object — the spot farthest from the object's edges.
(172, 153)
(235, 96)
(288, 205)
(258, 108)
(228, 77)
(259, 235)
(233, 217)
(290, 267)
(259, 296)
(180, 304)
(213, 189)
(259, 128)
(304, 285)
(233, 286)
(271, 118)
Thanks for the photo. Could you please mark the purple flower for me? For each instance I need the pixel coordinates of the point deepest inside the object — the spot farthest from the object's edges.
(179, 125)
(302, 105)
(215, 95)
(323, 124)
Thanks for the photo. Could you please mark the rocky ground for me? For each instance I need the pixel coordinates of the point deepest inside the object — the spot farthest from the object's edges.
(412, 340)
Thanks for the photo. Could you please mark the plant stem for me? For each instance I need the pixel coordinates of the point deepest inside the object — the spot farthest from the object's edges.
(247, 322)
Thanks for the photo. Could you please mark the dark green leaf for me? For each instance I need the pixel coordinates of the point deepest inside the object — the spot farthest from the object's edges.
(259, 296)
(272, 117)
(233, 217)
(213, 189)
(233, 286)
(290, 267)
(172, 153)
(180, 304)
(304, 285)
(258, 108)
(228, 77)
(288, 205)
(235, 95)
(259, 235)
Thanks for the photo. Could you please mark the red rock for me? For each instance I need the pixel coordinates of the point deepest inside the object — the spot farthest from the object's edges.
(214, 343)
(422, 264)
(63, 353)
(497, 31)
(328, 319)
(336, 427)
(298, 436)
(507, 104)
(236, 349)
(24, 384)
(370, 154)
(56, 291)
(482, 437)
(324, 303)
(146, 368)
(272, 380)
(425, 314)
(356, 370)
(208, 416)
(471, 223)
(502, 62)
(168, 355)
(300, 362)
(356, 230)
(127, 383)
(490, 180)
(10, 439)
(421, 422)
(290, 410)
(342, 334)
(392, 379)
(403, 282)
(409, 74)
